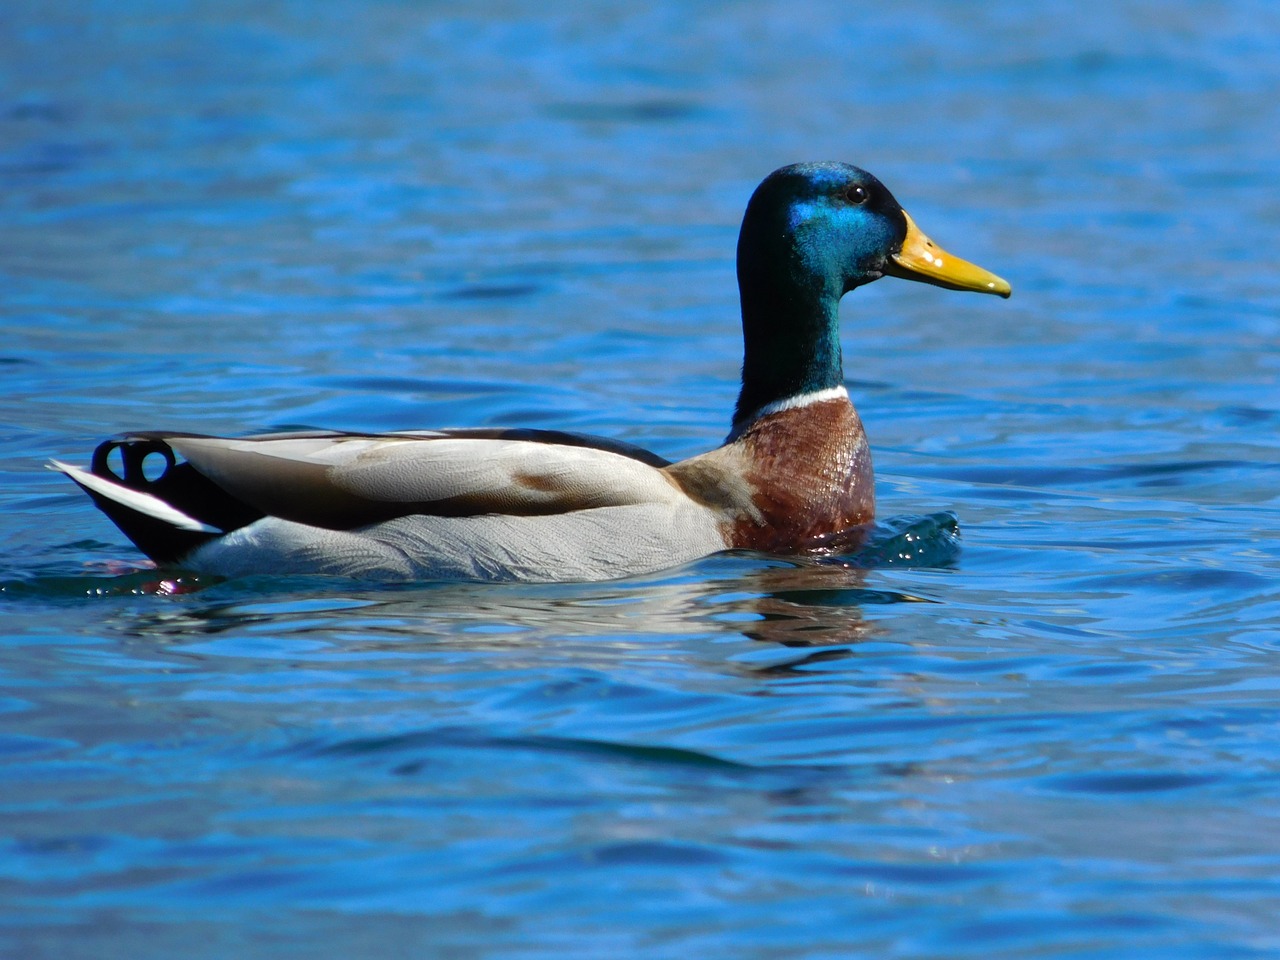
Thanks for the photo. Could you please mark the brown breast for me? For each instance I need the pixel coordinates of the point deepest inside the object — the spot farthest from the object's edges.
(789, 481)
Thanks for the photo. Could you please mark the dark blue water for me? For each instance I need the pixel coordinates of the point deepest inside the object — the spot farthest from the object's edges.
(1050, 728)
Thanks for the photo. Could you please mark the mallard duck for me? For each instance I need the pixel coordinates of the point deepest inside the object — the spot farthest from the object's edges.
(538, 505)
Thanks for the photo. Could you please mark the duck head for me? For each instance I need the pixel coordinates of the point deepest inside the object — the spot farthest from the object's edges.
(812, 232)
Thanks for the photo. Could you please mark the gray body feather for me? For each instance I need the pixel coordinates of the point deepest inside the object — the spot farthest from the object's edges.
(596, 544)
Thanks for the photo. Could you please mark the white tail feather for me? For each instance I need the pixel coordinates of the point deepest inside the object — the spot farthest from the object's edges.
(144, 503)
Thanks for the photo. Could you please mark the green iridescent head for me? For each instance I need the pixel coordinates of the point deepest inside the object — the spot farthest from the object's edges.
(812, 232)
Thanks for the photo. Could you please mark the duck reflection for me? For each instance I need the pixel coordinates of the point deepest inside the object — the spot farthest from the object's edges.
(814, 602)
(807, 603)
(813, 605)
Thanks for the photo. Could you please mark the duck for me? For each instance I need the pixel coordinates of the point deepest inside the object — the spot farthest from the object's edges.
(539, 505)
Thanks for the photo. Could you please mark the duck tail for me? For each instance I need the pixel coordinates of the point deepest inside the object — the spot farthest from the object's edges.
(167, 516)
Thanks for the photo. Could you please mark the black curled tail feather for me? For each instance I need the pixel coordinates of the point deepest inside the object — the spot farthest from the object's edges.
(180, 485)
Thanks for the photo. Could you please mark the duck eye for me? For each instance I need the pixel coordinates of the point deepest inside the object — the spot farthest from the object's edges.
(856, 194)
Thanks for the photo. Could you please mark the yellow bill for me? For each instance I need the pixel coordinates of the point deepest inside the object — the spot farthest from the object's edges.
(922, 259)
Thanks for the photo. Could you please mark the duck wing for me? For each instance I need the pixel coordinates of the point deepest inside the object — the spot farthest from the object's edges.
(350, 480)
(342, 481)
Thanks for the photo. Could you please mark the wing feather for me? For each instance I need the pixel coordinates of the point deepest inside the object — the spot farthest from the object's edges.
(343, 481)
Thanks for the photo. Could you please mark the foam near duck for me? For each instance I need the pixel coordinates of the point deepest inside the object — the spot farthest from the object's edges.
(542, 505)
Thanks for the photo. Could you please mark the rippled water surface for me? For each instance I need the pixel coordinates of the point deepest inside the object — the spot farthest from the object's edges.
(1039, 716)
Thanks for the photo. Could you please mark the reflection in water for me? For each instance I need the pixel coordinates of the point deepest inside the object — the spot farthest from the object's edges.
(797, 602)
(792, 603)
(313, 641)
(800, 602)
(805, 606)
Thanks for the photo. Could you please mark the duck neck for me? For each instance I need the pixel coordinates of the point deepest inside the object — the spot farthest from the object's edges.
(791, 342)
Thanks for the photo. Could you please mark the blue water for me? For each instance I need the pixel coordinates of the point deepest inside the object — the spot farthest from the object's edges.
(1049, 727)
